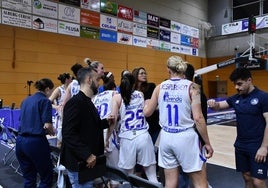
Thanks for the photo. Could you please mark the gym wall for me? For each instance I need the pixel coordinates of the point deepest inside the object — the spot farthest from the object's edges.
(31, 55)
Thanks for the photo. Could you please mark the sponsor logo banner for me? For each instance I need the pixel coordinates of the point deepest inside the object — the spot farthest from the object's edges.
(125, 13)
(229, 28)
(164, 45)
(16, 19)
(45, 24)
(185, 29)
(69, 13)
(164, 23)
(185, 40)
(106, 35)
(124, 38)
(108, 7)
(164, 35)
(45, 8)
(139, 41)
(91, 5)
(194, 32)
(152, 32)
(140, 17)
(68, 28)
(152, 20)
(175, 38)
(71, 2)
(175, 27)
(124, 26)
(108, 22)
(140, 29)
(194, 42)
(175, 48)
(20, 6)
(89, 18)
(152, 43)
(185, 50)
(88, 32)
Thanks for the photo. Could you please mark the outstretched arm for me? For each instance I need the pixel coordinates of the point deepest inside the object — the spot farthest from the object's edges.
(151, 104)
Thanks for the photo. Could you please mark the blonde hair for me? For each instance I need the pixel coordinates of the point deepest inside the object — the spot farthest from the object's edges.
(176, 64)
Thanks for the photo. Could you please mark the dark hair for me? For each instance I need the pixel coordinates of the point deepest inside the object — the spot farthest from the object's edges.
(44, 83)
(83, 73)
(63, 77)
(110, 85)
(189, 73)
(75, 68)
(124, 72)
(240, 73)
(126, 87)
(144, 85)
(95, 64)
(107, 77)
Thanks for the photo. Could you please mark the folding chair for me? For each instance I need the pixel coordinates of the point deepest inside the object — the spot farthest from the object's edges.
(116, 174)
(137, 181)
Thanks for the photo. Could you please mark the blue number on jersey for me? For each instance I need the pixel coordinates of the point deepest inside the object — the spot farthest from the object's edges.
(102, 110)
(176, 117)
(132, 116)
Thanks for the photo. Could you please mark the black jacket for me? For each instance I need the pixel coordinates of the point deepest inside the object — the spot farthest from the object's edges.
(82, 131)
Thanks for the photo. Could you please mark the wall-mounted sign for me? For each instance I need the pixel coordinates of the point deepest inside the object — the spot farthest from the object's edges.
(152, 32)
(68, 28)
(20, 6)
(140, 17)
(139, 41)
(124, 38)
(16, 18)
(124, 26)
(125, 13)
(164, 23)
(45, 8)
(93, 5)
(140, 29)
(88, 32)
(152, 43)
(108, 22)
(175, 27)
(109, 36)
(71, 2)
(69, 13)
(164, 35)
(175, 38)
(45, 24)
(152, 20)
(108, 7)
(89, 18)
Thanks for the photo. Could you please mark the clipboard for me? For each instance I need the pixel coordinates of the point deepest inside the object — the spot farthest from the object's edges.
(86, 174)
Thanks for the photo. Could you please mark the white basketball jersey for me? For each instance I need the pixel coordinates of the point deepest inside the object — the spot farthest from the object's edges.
(75, 87)
(62, 93)
(133, 122)
(103, 102)
(175, 114)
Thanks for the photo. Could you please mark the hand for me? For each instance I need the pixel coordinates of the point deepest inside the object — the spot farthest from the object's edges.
(211, 103)
(111, 119)
(261, 155)
(91, 161)
(49, 129)
(209, 151)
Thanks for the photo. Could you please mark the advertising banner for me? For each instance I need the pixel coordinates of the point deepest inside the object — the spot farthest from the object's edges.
(93, 5)
(68, 28)
(20, 6)
(152, 32)
(108, 7)
(124, 38)
(108, 22)
(164, 45)
(125, 13)
(45, 24)
(175, 27)
(185, 50)
(175, 48)
(164, 23)
(175, 38)
(194, 42)
(185, 30)
(88, 32)
(140, 29)
(16, 19)
(69, 13)
(89, 18)
(164, 35)
(124, 26)
(152, 20)
(71, 2)
(109, 36)
(152, 43)
(185, 40)
(140, 17)
(139, 41)
(45, 8)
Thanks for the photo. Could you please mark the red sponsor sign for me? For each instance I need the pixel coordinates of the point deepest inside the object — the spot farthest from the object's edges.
(194, 42)
(125, 12)
(90, 18)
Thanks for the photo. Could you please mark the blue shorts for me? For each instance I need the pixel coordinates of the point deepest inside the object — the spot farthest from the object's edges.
(245, 162)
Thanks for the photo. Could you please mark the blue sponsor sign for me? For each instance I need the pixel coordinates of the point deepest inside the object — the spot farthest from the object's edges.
(185, 40)
(106, 35)
(164, 35)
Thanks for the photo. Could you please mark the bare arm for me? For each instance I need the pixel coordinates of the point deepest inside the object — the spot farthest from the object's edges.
(151, 104)
(217, 105)
(55, 94)
(262, 151)
(67, 95)
(116, 102)
(199, 118)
